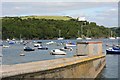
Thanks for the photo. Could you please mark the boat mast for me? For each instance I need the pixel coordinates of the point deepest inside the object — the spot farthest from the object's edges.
(81, 31)
(111, 33)
(20, 36)
(78, 33)
(59, 33)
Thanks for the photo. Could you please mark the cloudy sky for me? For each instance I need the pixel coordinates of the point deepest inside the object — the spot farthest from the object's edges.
(103, 13)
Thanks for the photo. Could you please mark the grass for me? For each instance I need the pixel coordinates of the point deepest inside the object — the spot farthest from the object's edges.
(48, 17)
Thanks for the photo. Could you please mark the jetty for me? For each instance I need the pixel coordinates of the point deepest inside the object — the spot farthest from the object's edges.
(88, 62)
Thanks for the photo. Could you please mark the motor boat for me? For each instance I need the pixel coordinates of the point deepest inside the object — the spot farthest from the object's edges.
(43, 48)
(113, 50)
(87, 38)
(70, 44)
(39, 42)
(57, 52)
(79, 38)
(26, 48)
(37, 45)
(60, 38)
(66, 49)
(11, 42)
(111, 37)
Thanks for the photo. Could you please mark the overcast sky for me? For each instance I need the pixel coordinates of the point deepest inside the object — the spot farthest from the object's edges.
(103, 13)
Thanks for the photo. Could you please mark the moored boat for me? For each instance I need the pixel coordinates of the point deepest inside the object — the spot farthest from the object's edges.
(43, 47)
(11, 42)
(79, 38)
(87, 38)
(70, 44)
(51, 42)
(37, 45)
(66, 49)
(57, 52)
(113, 50)
(111, 37)
(60, 38)
(26, 48)
(5, 46)
(22, 54)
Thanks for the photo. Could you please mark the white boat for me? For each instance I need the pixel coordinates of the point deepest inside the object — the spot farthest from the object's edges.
(37, 45)
(43, 47)
(111, 37)
(8, 39)
(51, 42)
(22, 54)
(4, 46)
(13, 39)
(60, 38)
(111, 34)
(79, 38)
(87, 38)
(57, 52)
(21, 40)
(117, 37)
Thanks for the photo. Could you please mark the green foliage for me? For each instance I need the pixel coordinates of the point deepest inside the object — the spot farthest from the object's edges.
(39, 28)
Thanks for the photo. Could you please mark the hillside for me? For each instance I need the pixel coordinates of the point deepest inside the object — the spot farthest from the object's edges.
(39, 28)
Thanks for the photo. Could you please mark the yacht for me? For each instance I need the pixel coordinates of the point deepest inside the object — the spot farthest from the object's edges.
(60, 38)
(79, 38)
(111, 34)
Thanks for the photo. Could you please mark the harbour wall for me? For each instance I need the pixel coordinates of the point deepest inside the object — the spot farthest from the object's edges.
(78, 66)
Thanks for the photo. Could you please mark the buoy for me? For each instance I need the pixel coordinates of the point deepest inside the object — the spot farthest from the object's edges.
(22, 54)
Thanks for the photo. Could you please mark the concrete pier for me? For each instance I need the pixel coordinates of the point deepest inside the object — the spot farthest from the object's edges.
(88, 66)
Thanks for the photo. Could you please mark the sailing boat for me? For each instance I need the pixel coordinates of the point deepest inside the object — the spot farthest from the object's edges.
(111, 36)
(60, 38)
(21, 40)
(87, 38)
(79, 38)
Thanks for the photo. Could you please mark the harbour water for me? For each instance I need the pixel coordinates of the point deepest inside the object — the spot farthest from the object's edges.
(12, 56)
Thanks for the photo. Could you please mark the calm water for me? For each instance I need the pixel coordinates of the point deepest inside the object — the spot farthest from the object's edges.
(11, 55)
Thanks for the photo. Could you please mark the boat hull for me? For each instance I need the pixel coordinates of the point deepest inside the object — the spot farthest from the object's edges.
(112, 52)
(54, 53)
(29, 49)
(43, 48)
(57, 52)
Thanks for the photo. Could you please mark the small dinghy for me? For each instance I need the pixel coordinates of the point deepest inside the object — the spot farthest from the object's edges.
(113, 50)
(57, 52)
(5, 46)
(26, 48)
(22, 54)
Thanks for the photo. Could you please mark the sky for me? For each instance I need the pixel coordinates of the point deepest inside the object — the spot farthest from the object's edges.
(101, 12)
